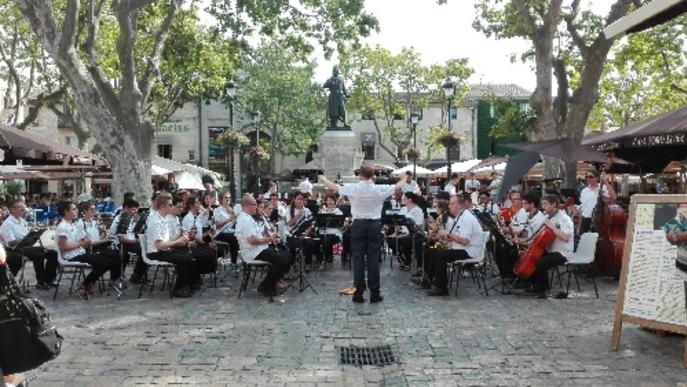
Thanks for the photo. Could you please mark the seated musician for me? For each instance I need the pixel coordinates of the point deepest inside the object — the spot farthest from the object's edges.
(415, 214)
(524, 231)
(13, 230)
(485, 204)
(333, 234)
(464, 232)
(123, 237)
(72, 243)
(89, 225)
(295, 215)
(200, 242)
(162, 246)
(225, 219)
(255, 246)
(561, 249)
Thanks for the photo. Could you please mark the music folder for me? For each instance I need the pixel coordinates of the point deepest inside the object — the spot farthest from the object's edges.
(29, 239)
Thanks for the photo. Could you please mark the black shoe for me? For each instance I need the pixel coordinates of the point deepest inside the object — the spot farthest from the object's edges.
(358, 298)
(438, 292)
(424, 284)
(541, 295)
(268, 292)
(376, 297)
(182, 293)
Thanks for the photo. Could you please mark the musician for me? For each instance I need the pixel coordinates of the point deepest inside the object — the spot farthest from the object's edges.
(472, 182)
(589, 198)
(451, 185)
(414, 214)
(535, 218)
(395, 203)
(296, 214)
(123, 236)
(161, 246)
(73, 244)
(333, 234)
(225, 220)
(561, 249)
(464, 231)
(366, 207)
(485, 204)
(254, 246)
(297, 211)
(277, 210)
(200, 237)
(13, 230)
(89, 226)
(494, 185)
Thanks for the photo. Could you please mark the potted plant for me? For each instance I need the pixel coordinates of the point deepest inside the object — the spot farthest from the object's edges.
(448, 138)
(259, 152)
(412, 153)
(232, 139)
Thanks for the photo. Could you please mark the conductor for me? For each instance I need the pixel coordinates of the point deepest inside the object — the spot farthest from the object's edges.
(366, 232)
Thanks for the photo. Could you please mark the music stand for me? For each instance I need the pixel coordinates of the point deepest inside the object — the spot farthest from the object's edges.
(303, 282)
(324, 221)
(396, 220)
(27, 241)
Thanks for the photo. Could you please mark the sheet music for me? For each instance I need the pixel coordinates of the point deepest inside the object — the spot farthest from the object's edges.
(653, 289)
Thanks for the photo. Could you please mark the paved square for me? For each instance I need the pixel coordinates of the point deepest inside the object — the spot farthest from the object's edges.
(215, 339)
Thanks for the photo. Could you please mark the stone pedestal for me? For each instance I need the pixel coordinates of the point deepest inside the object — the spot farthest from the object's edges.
(339, 153)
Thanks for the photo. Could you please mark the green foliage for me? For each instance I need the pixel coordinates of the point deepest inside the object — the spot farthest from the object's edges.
(12, 187)
(510, 121)
(231, 139)
(644, 78)
(333, 24)
(387, 86)
(279, 85)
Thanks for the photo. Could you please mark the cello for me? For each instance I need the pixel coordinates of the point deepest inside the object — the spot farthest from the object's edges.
(527, 263)
(610, 220)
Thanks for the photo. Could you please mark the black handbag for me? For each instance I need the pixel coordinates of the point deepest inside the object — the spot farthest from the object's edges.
(27, 337)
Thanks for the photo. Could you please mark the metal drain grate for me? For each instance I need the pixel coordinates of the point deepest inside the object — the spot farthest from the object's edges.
(360, 356)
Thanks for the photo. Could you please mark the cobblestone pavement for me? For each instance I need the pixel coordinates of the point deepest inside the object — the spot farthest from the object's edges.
(216, 339)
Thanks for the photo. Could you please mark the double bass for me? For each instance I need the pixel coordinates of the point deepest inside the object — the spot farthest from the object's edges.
(540, 242)
(610, 220)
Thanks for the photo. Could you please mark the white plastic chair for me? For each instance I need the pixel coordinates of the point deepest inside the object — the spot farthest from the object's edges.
(165, 266)
(583, 257)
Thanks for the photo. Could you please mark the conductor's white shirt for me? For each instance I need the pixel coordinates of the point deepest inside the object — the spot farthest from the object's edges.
(367, 199)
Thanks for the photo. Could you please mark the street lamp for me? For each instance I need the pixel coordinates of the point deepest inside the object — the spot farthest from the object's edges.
(256, 125)
(449, 88)
(414, 120)
(230, 91)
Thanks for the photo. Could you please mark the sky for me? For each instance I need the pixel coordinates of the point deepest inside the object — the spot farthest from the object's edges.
(441, 32)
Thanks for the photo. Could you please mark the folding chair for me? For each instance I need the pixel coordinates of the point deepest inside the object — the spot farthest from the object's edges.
(165, 266)
(76, 269)
(583, 258)
(248, 268)
(478, 266)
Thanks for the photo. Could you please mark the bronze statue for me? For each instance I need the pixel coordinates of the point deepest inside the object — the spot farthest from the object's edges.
(336, 109)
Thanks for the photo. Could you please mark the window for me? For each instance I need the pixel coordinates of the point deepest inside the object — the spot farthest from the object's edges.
(191, 155)
(164, 150)
(369, 152)
(524, 106)
(68, 140)
(417, 111)
(454, 112)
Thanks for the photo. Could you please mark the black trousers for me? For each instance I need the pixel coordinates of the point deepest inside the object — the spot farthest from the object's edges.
(44, 263)
(100, 264)
(279, 260)
(140, 268)
(541, 273)
(14, 261)
(312, 246)
(440, 260)
(406, 246)
(206, 258)
(187, 268)
(346, 244)
(233, 245)
(329, 241)
(366, 243)
(506, 256)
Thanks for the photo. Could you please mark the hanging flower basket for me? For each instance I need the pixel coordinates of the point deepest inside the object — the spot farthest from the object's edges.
(259, 153)
(412, 153)
(232, 139)
(449, 138)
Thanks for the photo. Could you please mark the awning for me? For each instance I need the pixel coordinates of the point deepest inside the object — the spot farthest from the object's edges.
(26, 144)
(647, 16)
(420, 171)
(459, 167)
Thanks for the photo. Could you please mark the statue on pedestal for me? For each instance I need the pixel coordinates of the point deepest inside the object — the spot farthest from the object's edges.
(336, 109)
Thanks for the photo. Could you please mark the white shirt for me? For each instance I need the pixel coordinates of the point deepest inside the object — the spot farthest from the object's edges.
(467, 227)
(417, 216)
(472, 183)
(237, 209)
(494, 187)
(367, 199)
(70, 231)
(588, 200)
(411, 187)
(333, 230)
(517, 224)
(13, 229)
(247, 227)
(221, 215)
(450, 188)
(89, 229)
(174, 226)
(190, 222)
(306, 214)
(156, 230)
(565, 224)
(305, 186)
(129, 231)
(490, 207)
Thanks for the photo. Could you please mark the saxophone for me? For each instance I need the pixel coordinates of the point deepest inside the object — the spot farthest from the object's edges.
(434, 241)
(501, 223)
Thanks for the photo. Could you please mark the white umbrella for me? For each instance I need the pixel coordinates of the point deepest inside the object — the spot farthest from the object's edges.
(187, 180)
(157, 170)
(458, 167)
(420, 171)
(500, 168)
